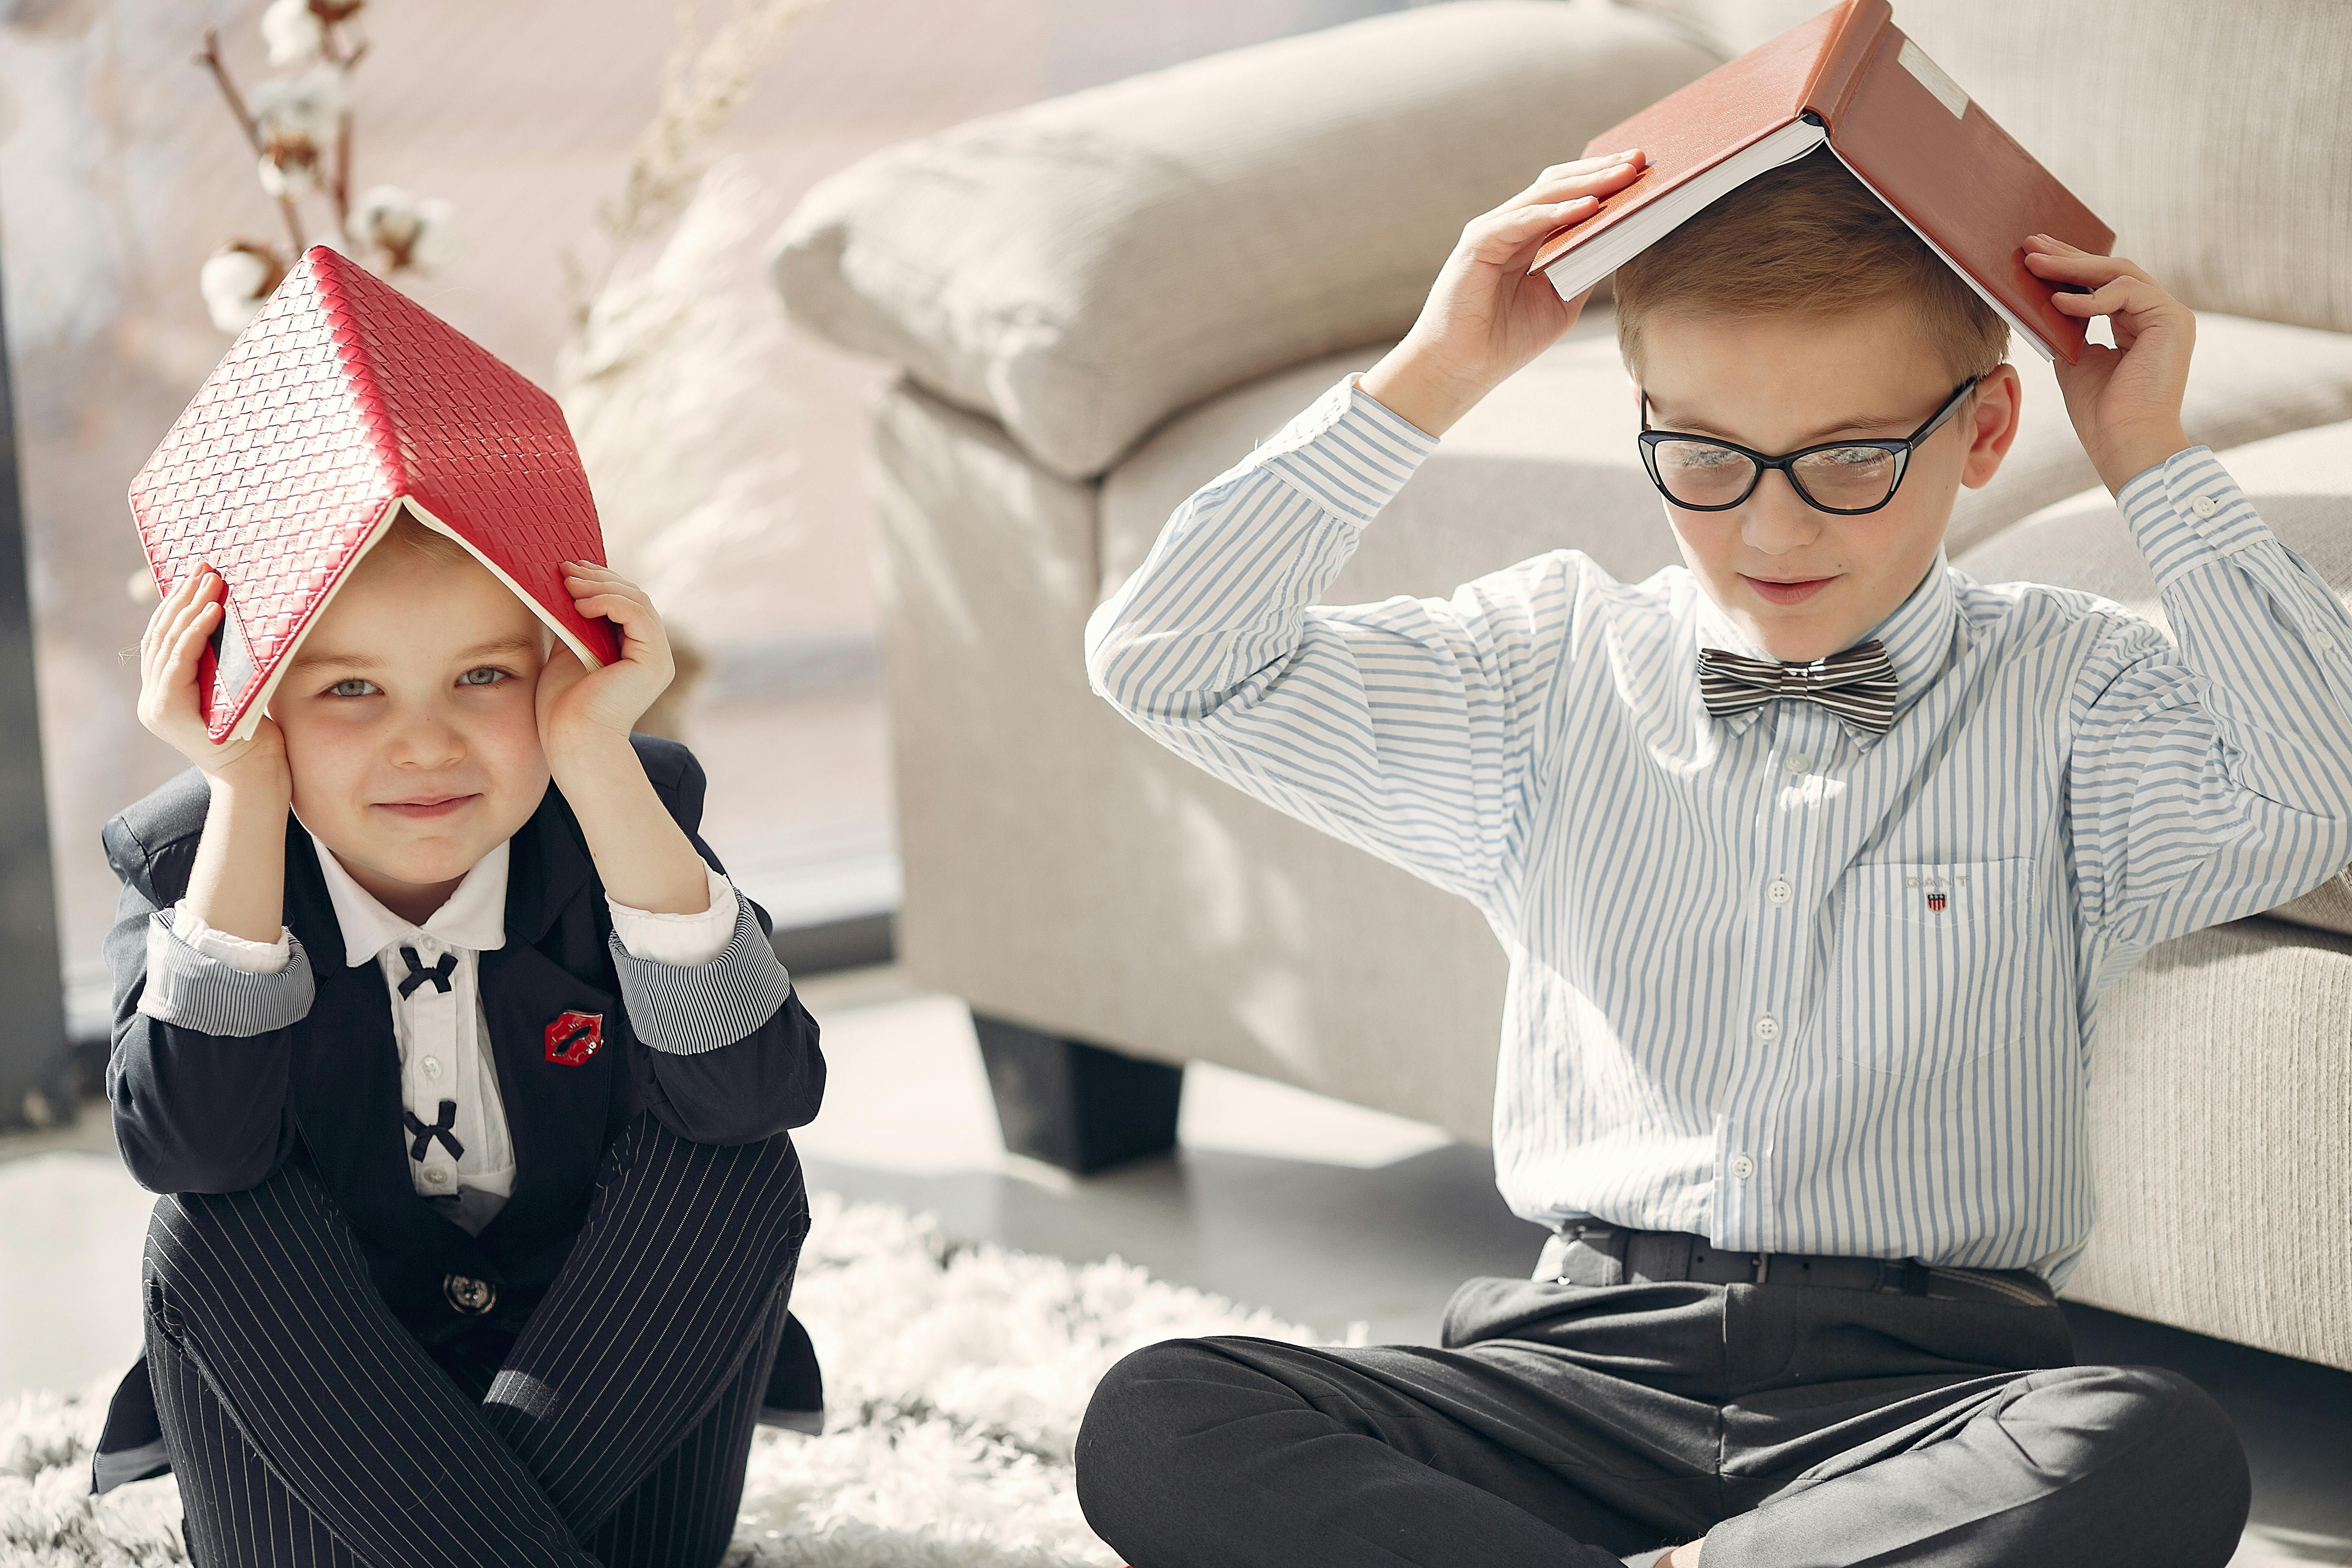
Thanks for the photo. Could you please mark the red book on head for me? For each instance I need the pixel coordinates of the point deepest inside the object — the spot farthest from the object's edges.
(342, 403)
(1901, 127)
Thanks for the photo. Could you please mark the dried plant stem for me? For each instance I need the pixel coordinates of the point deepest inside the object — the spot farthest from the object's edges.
(341, 186)
(211, 61)
(703, 82)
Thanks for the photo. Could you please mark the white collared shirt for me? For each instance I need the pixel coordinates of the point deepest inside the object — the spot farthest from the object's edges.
(442, 1032)
(1782, 984)
(443, 1036)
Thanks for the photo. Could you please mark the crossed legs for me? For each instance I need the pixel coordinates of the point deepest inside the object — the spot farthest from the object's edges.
(1788, 1428)
(307, 1426)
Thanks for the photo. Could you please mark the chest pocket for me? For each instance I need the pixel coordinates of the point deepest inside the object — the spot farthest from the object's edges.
(1934, 965)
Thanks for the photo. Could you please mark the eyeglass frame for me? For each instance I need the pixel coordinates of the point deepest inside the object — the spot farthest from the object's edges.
(1785, 462)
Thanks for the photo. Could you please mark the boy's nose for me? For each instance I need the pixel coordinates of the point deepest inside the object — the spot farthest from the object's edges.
(1776, 519)
(427, 742)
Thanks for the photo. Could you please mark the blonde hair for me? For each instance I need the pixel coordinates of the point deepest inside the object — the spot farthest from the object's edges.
(1805, 238)
(408, 536)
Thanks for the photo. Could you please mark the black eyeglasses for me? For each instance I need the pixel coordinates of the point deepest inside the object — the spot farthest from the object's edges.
(1700, 473)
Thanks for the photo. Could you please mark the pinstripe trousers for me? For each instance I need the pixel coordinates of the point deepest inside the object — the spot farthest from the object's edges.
(308, 1427)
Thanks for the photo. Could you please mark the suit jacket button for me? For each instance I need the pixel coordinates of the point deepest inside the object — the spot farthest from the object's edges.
(469, 1295)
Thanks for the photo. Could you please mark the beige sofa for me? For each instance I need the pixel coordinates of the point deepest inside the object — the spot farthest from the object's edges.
(1098, 302)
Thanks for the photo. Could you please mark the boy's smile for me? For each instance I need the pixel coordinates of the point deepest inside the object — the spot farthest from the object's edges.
(411, 728)
(1798, 582)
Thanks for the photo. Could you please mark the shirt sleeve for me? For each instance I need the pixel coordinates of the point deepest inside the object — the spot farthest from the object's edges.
(685, 994)
(2210, 774)
(203, 979)
(679, 939)
(1409, 728)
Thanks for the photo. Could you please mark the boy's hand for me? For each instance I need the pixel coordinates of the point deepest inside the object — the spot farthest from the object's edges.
(644, 857)
(168, 652)
(1486, 314)
(579, 709)
(2124, 401)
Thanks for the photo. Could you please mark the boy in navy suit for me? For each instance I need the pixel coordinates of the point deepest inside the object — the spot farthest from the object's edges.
(466, 1074)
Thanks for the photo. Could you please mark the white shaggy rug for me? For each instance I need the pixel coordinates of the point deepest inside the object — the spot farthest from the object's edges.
(955, 1378)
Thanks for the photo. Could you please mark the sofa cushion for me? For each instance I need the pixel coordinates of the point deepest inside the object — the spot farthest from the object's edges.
(2247, 380)
(1498, 490)
(2216, 140)
(2218, 1085)
(1548, 458)
(2301, 483)
(1083, 266)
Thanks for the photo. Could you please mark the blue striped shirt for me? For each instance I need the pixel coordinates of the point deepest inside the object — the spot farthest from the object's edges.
(1792, 988)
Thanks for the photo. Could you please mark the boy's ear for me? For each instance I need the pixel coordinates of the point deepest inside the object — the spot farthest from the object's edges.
(1993, 422)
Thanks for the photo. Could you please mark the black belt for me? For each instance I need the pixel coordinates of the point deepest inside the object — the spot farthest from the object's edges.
(1616, 1256)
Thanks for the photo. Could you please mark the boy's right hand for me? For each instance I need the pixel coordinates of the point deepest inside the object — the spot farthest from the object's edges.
(1486, 314)
(168, 652)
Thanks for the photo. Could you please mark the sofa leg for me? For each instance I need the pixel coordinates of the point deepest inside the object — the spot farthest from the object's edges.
(1075, 1105)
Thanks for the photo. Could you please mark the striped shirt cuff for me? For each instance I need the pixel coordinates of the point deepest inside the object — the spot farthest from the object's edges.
(1347, 452)
(2187, 513)
(191, 989)
(688, 1009)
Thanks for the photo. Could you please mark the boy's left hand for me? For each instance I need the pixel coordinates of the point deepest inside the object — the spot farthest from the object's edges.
(578, 708)
(2124, 401)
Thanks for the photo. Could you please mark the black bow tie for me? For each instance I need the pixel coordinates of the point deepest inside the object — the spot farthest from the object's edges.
(444, 1128)
(418, 975)
(1857, 685)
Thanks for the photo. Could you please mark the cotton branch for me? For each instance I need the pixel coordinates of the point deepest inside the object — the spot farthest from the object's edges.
(211, 61)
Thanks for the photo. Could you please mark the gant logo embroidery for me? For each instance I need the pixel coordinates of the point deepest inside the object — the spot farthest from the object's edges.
(1936, 902)
(573, 1037)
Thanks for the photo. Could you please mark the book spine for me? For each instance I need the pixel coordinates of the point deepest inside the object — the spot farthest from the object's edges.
(1838, 71)
(351, 344)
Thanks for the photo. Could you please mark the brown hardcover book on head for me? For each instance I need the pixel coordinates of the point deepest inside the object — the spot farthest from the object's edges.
(1901, 127)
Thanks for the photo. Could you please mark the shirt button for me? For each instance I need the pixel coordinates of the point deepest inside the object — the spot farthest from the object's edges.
(1797, 762)
(468, 1295)
(2205, 506)
(435, 1176)
(1767, 1028)
(432, 1066)
(1742, 1167)
(1778, 890)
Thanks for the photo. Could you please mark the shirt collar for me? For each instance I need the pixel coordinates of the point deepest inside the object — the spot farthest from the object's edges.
(473, 916)
(1917, 635)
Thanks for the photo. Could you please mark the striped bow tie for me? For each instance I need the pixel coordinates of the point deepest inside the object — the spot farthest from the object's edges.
(1857, 685)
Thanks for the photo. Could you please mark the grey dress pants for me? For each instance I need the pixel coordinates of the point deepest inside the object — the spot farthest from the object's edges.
(1561, 1425)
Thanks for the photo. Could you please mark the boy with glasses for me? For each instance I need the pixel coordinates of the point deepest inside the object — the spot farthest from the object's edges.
(1813, 858)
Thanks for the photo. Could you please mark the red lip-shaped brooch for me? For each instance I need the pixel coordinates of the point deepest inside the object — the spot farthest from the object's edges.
(573, 1037)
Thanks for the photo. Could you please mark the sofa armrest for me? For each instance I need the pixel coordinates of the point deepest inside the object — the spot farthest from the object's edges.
(1081, 267)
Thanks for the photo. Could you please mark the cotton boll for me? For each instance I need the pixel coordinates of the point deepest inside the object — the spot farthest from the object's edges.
(294, 171)
(409, 231)
(293, 33)
(301, 106)
(438, 240)
(299, 115)
(234, 280)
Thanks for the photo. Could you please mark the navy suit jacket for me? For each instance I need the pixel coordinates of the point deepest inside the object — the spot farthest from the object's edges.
(201, 1114)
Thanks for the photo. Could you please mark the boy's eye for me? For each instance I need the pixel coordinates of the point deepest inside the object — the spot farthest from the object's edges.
(354, 687)
(488, 675)
(1853, 457)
